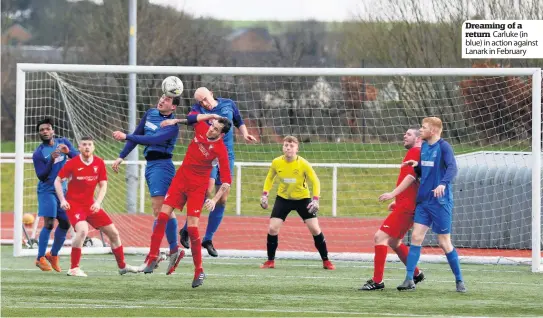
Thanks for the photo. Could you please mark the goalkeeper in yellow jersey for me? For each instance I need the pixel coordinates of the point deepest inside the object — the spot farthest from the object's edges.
(293, 172)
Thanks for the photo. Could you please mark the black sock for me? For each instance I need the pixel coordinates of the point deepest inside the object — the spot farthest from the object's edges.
(320, 244)
(272, 246)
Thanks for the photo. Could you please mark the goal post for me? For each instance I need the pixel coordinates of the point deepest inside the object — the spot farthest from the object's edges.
(350, 122)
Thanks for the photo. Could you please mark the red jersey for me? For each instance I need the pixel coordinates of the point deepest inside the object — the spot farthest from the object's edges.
(84, 178)
(407, 199)
(202, 154)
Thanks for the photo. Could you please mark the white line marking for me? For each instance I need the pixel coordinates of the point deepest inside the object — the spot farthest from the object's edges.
(158, 306)
(391, 278)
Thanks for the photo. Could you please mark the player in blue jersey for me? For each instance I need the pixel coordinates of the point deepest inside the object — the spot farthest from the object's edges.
(437, 169)
(159, 143)
(48, 159)
(207, 104)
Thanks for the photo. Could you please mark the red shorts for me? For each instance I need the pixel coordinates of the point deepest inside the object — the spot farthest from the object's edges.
(82, 212)
(182, 192)
(398, 222)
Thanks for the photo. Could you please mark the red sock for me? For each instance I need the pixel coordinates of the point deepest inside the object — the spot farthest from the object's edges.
(402, 252)
(195, 247)
(379, 262)
(158, 233)
(75, 257)
(119, 256)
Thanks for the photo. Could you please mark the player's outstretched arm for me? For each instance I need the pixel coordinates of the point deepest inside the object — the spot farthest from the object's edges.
(406, 182)
(237, 120)
(161, 136)
(192, 118)
(248, 137)
(130, 145)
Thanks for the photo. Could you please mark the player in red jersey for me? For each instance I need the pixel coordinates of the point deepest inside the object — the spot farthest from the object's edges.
(190, 183)
(85, 172)
(400, 220)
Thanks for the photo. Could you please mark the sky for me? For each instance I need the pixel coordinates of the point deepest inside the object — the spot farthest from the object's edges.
(296, 10)
(285, 10)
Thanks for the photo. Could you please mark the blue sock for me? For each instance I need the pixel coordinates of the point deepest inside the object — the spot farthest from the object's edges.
(58, 242)
(43, 241)
(412, 260)
(213, 222)
(171, 233)
(454, 263)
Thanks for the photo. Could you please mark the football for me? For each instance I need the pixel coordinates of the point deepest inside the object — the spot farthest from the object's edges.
(172, 86)
(28, 219)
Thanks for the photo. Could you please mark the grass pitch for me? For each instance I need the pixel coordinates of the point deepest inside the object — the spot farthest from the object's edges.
(238, 287)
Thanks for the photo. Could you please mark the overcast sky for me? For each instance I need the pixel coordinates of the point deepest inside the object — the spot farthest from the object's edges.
(323, 10)
(295, 10)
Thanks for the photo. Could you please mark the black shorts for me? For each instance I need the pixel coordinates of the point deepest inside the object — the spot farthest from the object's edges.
(282, 207)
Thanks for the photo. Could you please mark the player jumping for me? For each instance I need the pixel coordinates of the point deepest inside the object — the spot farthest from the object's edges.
(189, 186)
(159, 171)
(224, 107)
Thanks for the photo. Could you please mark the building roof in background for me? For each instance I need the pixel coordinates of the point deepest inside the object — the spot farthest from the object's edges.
(261, 32)
(16, 33)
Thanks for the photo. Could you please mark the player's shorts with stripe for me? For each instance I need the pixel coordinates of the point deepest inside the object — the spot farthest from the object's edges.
(159, 175)
(82, 212)
(436, 215)
(282, 207)
(183, 192)
(216, 172)
(398, 222)
(49, 206)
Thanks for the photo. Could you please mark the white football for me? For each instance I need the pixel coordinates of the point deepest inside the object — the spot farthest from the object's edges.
(172, 86)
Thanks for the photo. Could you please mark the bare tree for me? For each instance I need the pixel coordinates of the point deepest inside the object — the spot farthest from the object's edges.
(403, 33)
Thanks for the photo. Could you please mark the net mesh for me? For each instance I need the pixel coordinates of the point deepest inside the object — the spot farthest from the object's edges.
(351, 130)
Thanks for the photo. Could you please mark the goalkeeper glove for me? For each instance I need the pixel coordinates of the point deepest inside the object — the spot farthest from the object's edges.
(264, 200)
(313, 207)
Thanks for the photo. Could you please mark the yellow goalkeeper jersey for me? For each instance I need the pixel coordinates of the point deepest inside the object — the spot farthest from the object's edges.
(293, 177)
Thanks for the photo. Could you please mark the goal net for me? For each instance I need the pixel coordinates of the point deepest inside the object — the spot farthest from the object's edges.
(350, 123)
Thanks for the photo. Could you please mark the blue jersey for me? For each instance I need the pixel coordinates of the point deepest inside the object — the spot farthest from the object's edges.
(225, 108)
(150, 134)
(46, 168)
(437, 166)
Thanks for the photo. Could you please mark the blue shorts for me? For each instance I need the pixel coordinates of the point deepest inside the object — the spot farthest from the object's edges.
(216, 172)
(159, 175)
(49, 206)
(435, 215)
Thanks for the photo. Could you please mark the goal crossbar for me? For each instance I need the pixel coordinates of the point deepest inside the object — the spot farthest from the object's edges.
(533, 73)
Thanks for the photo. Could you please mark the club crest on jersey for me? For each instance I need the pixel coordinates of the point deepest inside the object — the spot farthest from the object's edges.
(295, 171)
(150, 125)
(95, 169)
(203, 150)
(77, 216)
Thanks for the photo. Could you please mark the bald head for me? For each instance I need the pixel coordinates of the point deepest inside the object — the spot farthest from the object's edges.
(205, 98)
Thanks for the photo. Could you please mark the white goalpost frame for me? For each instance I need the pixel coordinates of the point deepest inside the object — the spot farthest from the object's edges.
(534, 73)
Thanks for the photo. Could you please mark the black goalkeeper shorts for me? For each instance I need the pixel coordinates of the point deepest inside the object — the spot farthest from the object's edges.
(282, 207)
